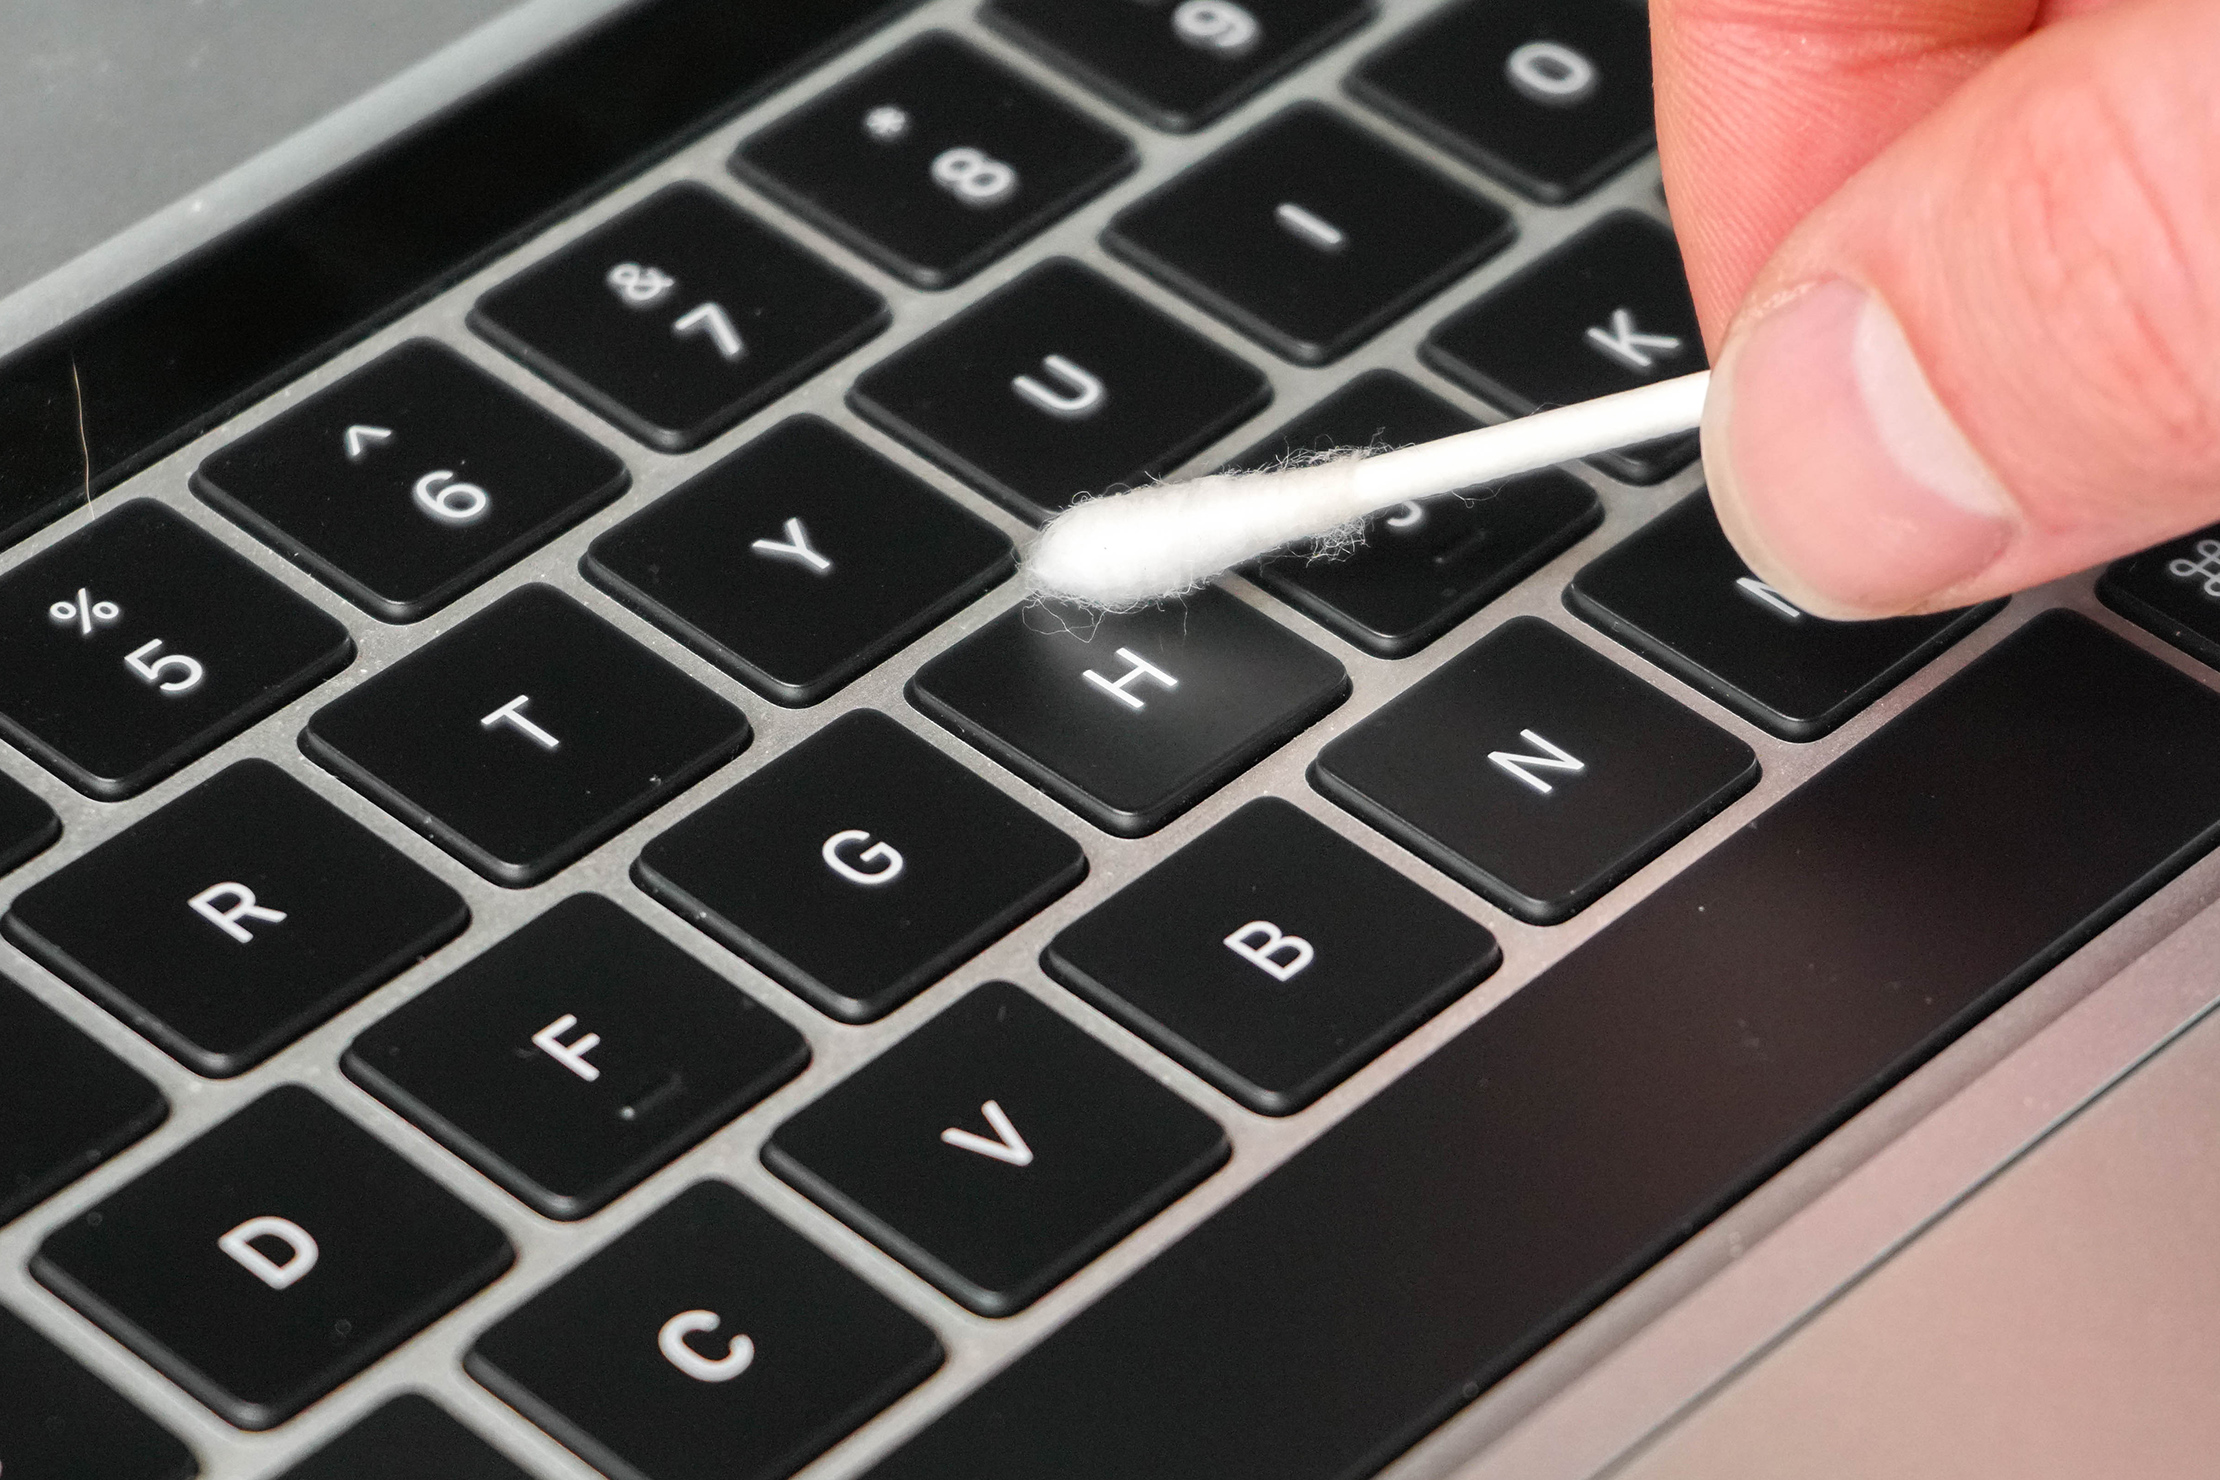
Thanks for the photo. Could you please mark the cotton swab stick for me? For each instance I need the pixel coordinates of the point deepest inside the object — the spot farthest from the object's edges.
(1124, 549)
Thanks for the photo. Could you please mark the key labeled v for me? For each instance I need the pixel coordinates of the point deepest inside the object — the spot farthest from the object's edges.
(1005, 1145)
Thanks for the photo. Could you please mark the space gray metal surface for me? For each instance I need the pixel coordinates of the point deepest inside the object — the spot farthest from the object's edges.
(1538, 1394)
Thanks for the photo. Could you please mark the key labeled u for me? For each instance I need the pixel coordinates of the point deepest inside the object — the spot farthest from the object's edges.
(880, 863)
(671, 1342)
(1082, 394)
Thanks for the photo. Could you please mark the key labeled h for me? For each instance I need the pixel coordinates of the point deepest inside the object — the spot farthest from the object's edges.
(1121, 689)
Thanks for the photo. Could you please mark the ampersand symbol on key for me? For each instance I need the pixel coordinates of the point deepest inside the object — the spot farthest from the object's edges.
(637, 286)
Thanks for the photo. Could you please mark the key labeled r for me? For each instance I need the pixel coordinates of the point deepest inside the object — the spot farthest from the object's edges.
(228, 905)
(671, 1342)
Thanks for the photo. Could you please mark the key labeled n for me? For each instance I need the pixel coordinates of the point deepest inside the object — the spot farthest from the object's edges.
(1522, 767)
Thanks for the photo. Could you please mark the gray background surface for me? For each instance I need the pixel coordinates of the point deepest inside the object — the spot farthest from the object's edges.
(113, 109)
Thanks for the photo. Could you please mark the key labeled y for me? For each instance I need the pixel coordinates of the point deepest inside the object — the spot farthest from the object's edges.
(796, 549)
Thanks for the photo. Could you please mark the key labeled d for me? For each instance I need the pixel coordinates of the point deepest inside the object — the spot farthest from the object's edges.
(671, 1342)
(300, 1257)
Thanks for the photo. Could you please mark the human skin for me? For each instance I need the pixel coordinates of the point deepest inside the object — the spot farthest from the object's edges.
(1958, 265)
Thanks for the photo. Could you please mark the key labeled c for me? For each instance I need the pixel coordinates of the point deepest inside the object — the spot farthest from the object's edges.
(878, 864)
(671, 1341)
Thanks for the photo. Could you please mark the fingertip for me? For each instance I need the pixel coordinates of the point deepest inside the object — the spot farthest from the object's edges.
(1836, 471)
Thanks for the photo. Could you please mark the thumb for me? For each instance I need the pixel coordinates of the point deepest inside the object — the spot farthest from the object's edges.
(1993, 356)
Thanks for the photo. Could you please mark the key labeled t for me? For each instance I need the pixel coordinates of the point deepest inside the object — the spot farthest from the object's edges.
(511, 714)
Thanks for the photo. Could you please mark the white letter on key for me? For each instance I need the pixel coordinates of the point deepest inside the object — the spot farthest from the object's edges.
(572, 1055)
(226, 917)
(512, 715)
(796, 548)
(239, 1244)
(1271, 950)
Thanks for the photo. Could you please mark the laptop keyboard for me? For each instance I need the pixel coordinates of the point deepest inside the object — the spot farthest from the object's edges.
(563, 917)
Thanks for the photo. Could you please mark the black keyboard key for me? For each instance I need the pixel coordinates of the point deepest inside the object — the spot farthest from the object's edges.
(140, 643)
(273, 1258)
(1677, 593)
(1271, 956)
(710, 1342)
(1460, 1219)
(1425, 566)
(406, 1438)
(410, 481)
(2174, 590)
(576, 1057)
(799, 561)
(59, 1422)
(526, 736)
(1552, 96)
(235, 919)
(1309, 234)
(66, 1105)
(997, 1149)
(27, 825)
(1608, 312)
(1129, 720)
(935, 161)
(679, 317)
(1058, 385)
(1177, 63)
(860, 867)
(1534, 771)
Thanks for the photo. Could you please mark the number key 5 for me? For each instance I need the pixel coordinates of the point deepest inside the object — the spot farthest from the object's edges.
(180, 644)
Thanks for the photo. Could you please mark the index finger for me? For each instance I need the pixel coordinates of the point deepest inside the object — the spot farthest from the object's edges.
(1765, 107)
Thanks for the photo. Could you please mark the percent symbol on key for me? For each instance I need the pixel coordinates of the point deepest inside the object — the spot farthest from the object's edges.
(85, 612)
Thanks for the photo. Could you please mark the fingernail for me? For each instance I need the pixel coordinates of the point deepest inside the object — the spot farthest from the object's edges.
(1835, 469)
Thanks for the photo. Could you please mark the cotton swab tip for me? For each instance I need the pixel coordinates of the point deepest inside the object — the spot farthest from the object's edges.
(1122, 550)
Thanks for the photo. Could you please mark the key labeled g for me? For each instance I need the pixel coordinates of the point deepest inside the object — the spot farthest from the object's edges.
(878, 864)
(671, 1341)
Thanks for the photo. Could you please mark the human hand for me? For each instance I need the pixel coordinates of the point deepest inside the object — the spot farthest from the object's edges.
(1958, 262)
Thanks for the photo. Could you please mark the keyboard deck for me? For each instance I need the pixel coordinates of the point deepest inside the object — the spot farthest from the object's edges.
(562, 916)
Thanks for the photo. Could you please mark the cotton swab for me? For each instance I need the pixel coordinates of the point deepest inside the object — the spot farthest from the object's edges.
(1124, 549)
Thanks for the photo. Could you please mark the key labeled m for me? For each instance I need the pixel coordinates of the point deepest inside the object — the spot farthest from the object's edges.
(1521, 767)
